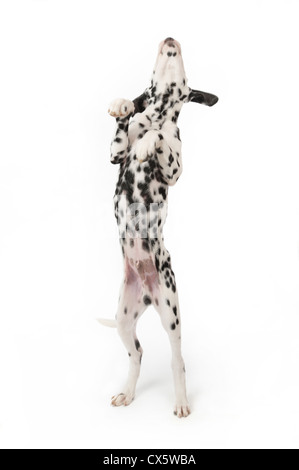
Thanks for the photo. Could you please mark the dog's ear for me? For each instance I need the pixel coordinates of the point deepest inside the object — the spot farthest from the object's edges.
(202, 97)
(140, 103)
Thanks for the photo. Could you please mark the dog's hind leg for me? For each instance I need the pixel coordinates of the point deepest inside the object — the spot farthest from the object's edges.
(131, 307)
(168, 308)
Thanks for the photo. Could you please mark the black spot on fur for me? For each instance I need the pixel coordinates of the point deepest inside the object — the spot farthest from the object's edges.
(162, 191)
(147, 300)
(127, 188)
(130, 177)
(145, 193)
(152, 164)
(137, 344)
(172, 326)
(145, 245)
(175, 311)
(165, 265)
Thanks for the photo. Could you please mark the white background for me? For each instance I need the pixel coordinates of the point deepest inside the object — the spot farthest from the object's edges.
(232, 230)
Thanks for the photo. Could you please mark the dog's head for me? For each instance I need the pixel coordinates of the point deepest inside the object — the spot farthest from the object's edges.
(169, 81)
(169, 67)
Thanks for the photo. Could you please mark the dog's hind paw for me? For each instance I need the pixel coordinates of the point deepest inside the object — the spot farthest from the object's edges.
(122, 399)
(182, 411)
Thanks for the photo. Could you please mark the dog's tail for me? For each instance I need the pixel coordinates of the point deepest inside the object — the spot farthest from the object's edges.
(106, 322)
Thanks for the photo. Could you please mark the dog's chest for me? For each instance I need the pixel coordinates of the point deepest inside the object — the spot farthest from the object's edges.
(141, 182)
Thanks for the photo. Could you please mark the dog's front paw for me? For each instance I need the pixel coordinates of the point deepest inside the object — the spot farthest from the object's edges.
(122, 399)
(121, 108)
(182, 410)
(146, 146)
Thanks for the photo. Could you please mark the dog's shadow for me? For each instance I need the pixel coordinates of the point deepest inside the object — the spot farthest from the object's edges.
(158, 382)
(163, 385)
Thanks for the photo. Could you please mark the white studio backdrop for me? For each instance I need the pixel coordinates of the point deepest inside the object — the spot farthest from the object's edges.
(232, 228)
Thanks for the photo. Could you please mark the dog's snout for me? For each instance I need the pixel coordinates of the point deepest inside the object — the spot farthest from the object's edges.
(170, 42)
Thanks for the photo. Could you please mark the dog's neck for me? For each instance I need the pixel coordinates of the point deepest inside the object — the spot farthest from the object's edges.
(165, 100)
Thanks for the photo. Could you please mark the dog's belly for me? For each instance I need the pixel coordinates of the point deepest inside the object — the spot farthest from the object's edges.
(139, 267)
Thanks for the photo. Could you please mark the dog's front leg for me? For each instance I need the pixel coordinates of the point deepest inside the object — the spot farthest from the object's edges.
(169, 153)
(122, 110)
(147, 145)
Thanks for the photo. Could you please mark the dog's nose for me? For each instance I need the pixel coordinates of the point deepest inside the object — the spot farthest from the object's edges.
(169, 40)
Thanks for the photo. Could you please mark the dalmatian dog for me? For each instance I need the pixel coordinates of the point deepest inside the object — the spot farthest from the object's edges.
(147, 147)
